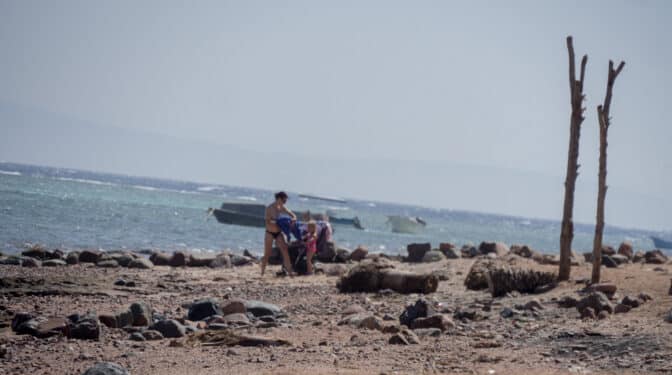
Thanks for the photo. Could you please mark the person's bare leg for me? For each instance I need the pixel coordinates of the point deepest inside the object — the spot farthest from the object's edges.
(282, 244)
(268, 250)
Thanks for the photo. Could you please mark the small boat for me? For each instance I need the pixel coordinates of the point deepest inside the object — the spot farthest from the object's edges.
(245, 214)
(661, 243)
(354, 221)
(323, 198)
(406, 224)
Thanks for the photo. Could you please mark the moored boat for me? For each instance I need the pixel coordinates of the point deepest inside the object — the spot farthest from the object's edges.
(406, 224)
(661, 243)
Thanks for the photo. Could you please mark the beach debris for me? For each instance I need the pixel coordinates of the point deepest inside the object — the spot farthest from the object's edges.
(500, 278)
(226, 337)
(417, 251)
(374, 275)
(106, 368)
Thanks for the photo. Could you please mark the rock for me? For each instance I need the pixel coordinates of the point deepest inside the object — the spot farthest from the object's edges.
(606, 288)
(621, 308)
(439, 321)
(142, 263)
(337, 270)
(169, 328)
(342, 255)
(234, 306)
(469, 251)
(142, 313)
(655, 257)
(89, 256)
(493, 247)
(236, 318)
(620, 259)
(668, 317)
(522, 251)
(398, 339)
(427, 332)
(630, 302)
(120, 282)
(602, 315)
(54, 263)
(326, 253)
(433, 256)
(644, 297)
(160, 259)
(11, 261)
(638, 257)
(608, 250)
(30, 262)
(588, 313)
(353, 309)
(670, 291)
(596, 301)
(626, 250)
(533, 305)
(250, 255)
(416, 251)
(420, 309)
(83, 327)
(508, 313)
(107, 263)
(259, 309)
(137, 336)
(449, 251)
(72, 258)
(441, 274)
(20, 318)
(106, 368)
(120, 319)
(37, 252)
(405, 337)
(227, 337)
(124, 259)
(567, 302)
(151, 335)
(359, 253)
(371, 322)
(608, 261)
(204, 308)
(200, 260)
(178, 259)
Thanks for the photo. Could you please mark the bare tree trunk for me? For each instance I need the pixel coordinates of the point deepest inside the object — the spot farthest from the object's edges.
(604, 121)
(577, 97)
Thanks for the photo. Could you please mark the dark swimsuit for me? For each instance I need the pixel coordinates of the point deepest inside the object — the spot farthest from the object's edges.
(274, 234)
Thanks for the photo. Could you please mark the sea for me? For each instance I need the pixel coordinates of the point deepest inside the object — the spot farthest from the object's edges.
(73, 209)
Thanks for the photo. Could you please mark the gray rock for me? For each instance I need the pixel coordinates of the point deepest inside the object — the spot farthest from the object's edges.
(507, 313)
(359, 253)
(597, 301)
(160, 259)
(200, 260)
(668, 317)
(107, 263)
(621, 308)
(449, 250)
(142, 313)
(259, 308)
(433, 256)
(469, 251)
(151, 335)
(178, 259)
(234, 306)
(72, 257)
(427, 332)
(236, 318)
(137, 336)
(631, 302)
(54, 263)
(439, 321)
(609, 262)
(221, 261)
(169, 328)
(416, 251)
(89, 256)
(83, 327)
(655, 257)
(11, 261)
(567, 302)
(142, 263)
(30, 262)
(204, 308)
(239, 260)
(106, 368)
(493, 248)
(342, 255)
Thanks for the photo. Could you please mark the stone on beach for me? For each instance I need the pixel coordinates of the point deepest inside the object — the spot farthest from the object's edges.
(107, 263)
(27, 261)
(359, 253)
(178, 259)
(142, 313)
(259, 309)
(626, 250)
(160, 259)
(106, 368)
(227, 337)
(439, 321)
(655, 257)
(54, 263)
(498, 248)
(416, 251)
(200, 260)
(372, 276)
(204, 308)
(141, 263)
(89, 256)
(597, 301)
(449, 250)
(169, 328)
(83, 327)
(433, 256)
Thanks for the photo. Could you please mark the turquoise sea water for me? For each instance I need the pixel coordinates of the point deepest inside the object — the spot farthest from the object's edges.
(72, 209)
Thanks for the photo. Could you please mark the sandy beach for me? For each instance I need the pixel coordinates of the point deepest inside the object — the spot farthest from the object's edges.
(479, 334)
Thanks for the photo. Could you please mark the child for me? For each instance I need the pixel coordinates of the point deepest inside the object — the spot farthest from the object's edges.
(310, 240)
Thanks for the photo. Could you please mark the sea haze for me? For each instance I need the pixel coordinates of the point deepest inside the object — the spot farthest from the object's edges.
(74, 209)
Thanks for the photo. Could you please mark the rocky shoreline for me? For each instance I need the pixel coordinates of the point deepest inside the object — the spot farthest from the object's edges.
(486, 309)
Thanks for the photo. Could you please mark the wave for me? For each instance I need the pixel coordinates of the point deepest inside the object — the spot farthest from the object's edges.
(207, 188)
(148, 188)
(247, 198)
(10, 173)
(85, 181)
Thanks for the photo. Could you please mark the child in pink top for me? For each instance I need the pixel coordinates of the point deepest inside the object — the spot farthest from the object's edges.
(310, 239)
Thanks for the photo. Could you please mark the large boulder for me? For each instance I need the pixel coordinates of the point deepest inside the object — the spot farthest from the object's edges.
(419, 309)
(204, 308)
(160, 259)
(89, 256)
(449, 250)
(433, 256)
(523, 251)
(626, 250)
(655, 257)
(30, 262)
(142, 313)
(498, 248)
(359, 253)
(142, 263)
(417, 251)
(178, 259)
(169, 328)
(72, 257)
(106, 368)
(469, 251)
(597, 301)
(83, 327)
(477, 277)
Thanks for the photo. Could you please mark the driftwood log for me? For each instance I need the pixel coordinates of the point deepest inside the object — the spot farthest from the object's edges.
(501, 277)
(372, 276)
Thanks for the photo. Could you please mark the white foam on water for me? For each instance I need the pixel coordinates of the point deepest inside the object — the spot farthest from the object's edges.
(85, 181)
(207, 188)
(247, 198)
(10, 173)
(148, 188)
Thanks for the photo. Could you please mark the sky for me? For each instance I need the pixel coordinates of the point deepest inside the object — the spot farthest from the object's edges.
(441, 103)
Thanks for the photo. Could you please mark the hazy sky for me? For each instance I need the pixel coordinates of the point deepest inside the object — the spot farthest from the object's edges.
(466, 83)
